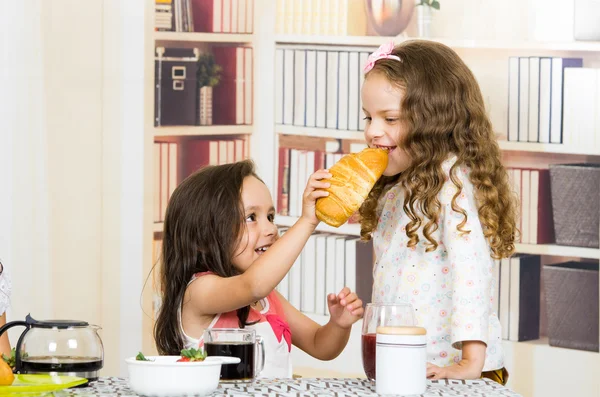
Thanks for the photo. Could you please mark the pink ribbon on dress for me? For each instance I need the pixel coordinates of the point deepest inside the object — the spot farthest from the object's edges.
(281, 329)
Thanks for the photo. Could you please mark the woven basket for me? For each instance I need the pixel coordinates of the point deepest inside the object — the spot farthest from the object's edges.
(571, 290)
(576, 203)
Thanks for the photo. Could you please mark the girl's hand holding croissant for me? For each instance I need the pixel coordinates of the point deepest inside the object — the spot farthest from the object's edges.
(312, 192)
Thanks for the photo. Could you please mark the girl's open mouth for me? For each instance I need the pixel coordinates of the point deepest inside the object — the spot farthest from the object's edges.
(262, 250)
(388, 148)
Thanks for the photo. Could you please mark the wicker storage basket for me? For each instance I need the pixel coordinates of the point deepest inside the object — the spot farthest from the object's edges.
(571, 290)
(576, 203)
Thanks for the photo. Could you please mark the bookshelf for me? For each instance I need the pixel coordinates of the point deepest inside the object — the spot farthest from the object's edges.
(488, 59)
(183, 145)
(531, 361)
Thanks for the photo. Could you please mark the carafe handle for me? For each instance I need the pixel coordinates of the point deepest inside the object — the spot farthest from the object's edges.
(5, 328)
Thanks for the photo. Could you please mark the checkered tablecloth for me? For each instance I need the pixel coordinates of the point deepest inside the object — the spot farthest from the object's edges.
(303, 387)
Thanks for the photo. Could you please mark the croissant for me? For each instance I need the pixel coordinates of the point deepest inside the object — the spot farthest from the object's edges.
(352, 179)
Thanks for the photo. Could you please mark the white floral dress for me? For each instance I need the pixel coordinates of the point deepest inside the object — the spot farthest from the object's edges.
(450, 288)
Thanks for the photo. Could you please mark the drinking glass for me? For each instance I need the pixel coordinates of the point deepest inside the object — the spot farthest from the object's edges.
(235, 342)
(382, 314)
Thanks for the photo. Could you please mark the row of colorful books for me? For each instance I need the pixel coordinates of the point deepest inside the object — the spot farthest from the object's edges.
(321, 17)
(532, 187)
(328, 263)
(319, 88)
(516, 296)
(209, 16)
(538, 100)
(173, 162)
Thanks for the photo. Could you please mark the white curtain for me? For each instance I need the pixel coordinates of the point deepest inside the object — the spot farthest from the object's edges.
(24, 212)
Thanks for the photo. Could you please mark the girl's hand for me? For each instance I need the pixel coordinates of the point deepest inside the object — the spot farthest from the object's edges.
(435, 372)
(345, 308)
(461, 370)
(312, 193)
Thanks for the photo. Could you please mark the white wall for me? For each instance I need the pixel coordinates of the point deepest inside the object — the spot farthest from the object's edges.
(72, 104)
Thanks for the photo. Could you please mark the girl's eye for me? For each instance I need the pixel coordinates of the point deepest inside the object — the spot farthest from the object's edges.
(271, 218)
(251, 218)
(367, 118)
(391, 120)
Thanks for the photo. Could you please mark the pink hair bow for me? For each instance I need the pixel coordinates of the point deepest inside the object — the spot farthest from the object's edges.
(383, 52)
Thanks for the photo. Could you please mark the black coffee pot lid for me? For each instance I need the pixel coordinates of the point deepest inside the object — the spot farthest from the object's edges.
(61, 324)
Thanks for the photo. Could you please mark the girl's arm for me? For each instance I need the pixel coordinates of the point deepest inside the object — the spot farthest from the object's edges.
(269, 269)
(470, 367)
(324, 342)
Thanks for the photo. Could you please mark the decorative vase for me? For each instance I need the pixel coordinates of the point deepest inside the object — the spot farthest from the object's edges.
(388, 17)
(205, 105)
(424, 20)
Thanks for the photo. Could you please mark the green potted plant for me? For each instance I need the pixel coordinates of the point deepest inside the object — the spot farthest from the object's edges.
(208, 75)
(435, 4)
(424, 15)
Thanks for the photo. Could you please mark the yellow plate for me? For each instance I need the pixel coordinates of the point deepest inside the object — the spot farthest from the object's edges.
(36, 383)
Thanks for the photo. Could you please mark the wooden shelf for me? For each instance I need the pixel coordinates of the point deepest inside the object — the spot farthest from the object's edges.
(545, 148)
(558, 250)
(166, 38)
(319, 132)
(532, 147)
(534, 249)
(375, 41)
(349, 229)
(194, 130)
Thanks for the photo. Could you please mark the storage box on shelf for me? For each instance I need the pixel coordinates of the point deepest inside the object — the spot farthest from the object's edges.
(569, 321)
(575, 207)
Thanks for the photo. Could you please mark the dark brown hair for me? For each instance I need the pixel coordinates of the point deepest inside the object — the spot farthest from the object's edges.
(444, 113)
(203, 224)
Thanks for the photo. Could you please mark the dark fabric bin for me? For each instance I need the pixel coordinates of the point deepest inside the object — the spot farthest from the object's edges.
(576, 203)
(571, 290)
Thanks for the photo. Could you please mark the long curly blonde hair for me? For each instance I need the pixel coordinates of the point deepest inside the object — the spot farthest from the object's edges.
(444, 113)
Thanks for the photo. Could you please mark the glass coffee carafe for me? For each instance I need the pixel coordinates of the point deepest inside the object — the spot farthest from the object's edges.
(382, 314)
(58, 347)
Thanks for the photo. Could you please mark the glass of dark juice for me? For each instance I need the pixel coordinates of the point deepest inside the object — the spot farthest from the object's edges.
(381, 315)
(234, 342)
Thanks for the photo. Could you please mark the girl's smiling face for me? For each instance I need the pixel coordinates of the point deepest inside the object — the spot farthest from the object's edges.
(381, 105)
(259, 231)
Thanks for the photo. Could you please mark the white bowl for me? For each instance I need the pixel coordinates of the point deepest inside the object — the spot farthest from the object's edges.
(165, 377)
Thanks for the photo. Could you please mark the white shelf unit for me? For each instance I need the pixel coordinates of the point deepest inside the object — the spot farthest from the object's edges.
(196, 130)
(534, 249)
(558, 250)
(535, 147)
(319, 132)
(172, 38)
(375, 41)
(351, 229)
(532, 147)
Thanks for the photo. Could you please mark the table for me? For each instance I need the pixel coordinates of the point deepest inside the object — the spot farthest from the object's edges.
(109, 386)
